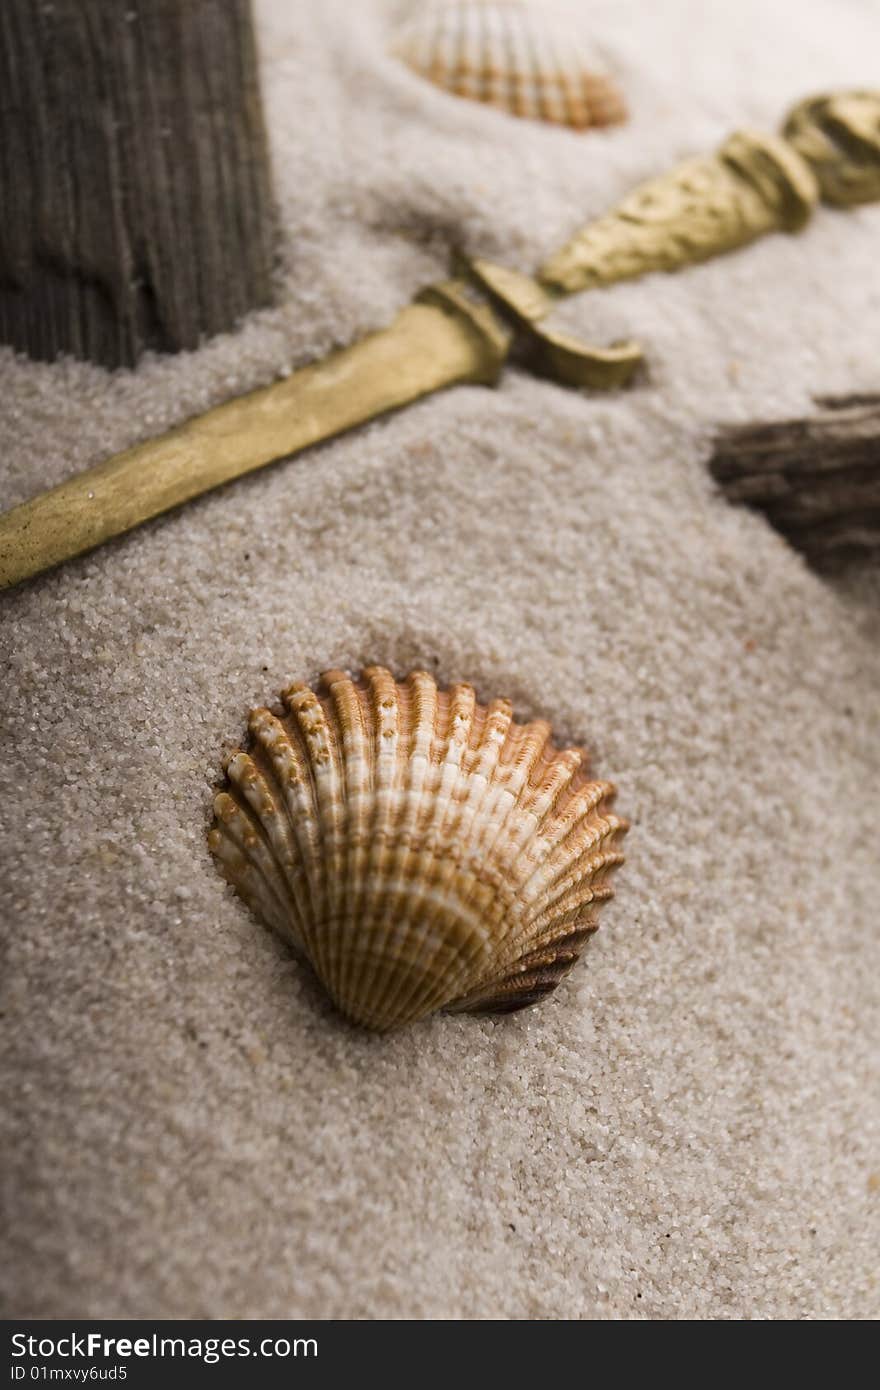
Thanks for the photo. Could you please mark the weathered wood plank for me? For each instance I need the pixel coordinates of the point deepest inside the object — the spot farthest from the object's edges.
(134, 175)
(817, 479)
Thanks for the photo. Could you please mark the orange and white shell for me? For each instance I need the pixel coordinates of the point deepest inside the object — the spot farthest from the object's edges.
(513, 54)
(420, 850)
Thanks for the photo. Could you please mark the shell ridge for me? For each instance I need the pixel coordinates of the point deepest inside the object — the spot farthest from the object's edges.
(316, 730)
(575, 921)
(590, 886)
(444, 822)
(544, 888)
(283, 768)
(483, 740)
(557, 788)
(289, 758)
(463, 73)
(546, 79)
(483, 794)
(420, 706)
(300, 795)
(436, 901)
(264, 801)
(525, 746)
(551, 863)
(344, 717)
(501, 806)
(262, 823)
(239, 841)
(479, 759)
(363, 851)
(523, 752)
(386, 712)
(359, 851)
(557, 839)
(535, 974)
(333, 803)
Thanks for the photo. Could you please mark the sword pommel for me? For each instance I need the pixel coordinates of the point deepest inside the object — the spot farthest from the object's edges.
(839, 137)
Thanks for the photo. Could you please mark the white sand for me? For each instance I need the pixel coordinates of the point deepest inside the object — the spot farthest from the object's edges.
(690, 1126)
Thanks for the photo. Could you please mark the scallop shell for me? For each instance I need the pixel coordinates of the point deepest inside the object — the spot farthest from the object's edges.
(420, 850)
(514, 55)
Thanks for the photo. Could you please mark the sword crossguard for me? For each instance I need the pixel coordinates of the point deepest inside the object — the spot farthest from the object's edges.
(505, 309)
(752, 185)
(524, 303)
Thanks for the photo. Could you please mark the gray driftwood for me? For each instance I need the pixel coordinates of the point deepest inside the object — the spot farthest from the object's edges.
(816, 479)
(134, 176)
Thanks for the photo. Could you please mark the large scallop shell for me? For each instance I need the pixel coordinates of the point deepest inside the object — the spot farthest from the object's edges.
(420, 850)
(512, 54)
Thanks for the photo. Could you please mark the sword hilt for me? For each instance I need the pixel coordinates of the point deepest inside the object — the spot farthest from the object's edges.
(752, 185)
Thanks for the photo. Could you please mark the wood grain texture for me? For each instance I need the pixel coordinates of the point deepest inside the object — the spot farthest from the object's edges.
(134, 175)
(817, 479)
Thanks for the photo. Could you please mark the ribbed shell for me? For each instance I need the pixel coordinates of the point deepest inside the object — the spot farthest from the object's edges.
(512, 54)
(420, 850)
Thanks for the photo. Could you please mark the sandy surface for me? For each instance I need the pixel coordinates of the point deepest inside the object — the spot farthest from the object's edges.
(690, 1127)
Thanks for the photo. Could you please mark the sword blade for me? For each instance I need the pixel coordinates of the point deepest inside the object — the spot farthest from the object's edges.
(446, 338)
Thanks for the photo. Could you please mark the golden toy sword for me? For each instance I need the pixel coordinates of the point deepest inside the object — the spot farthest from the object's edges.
(464, 329)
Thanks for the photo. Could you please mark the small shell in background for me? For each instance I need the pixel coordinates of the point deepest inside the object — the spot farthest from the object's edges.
(421, 851)
(516, 55)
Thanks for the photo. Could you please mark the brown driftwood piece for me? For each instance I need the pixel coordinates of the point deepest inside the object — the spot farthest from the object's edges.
(134, 175)
(817, 479)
